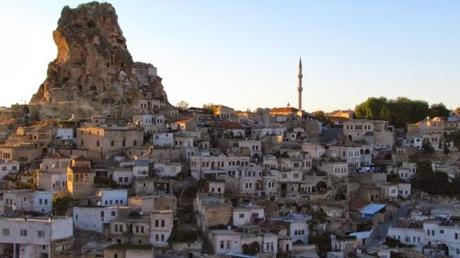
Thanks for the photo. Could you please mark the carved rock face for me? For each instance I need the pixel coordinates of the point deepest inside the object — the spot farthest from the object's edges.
(93, 64)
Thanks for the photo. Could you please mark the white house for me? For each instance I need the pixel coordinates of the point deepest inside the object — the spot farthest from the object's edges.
(110, 197)
(141, 168)
(407, 170)
(247, 214)
(216, 186)
(163, 139)
(63, 133)
(150, 122)
(334, 168)
(34, 237)
(93, 218)
(27, 200)
(167, 170)
(225, 241)
(123, 177)
(43, 202)
(297, 226)
(7, 167)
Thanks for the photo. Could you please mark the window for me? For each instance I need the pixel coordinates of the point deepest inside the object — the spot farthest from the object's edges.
(456, 236)
(41, 234)
(23, 232)
(241, 215)
(6, 231)
(222, 244)
(113, 213)
(162, 223)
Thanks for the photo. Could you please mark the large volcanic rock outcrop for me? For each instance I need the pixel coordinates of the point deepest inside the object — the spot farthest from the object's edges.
(93, 67)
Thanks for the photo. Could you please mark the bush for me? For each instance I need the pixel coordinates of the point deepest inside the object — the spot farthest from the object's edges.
(182, 236)
(322, 242)
(251, 249)
(61, 205)
(105, 182)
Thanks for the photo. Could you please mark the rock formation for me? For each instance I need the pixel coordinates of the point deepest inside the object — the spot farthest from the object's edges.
(93, 67)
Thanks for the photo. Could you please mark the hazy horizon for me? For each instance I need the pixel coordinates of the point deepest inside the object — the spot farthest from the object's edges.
(244, 54)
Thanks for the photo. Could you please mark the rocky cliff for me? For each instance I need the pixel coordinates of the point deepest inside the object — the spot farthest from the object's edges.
(93, 67)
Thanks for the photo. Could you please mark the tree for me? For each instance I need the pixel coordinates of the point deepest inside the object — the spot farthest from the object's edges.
(320, 116)
(322, 242)
(251, 249)
(445, 149)
(429, 181)
(457, 111)
(372, 108)
(455, 138)
(398, 111)
(61, 205)
(439, 110)
(182, 105)
(427, 148)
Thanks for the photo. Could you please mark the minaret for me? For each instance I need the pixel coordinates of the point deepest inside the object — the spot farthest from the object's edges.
(299, 88)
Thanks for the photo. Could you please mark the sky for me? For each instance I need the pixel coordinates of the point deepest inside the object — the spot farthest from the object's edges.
(244, 53)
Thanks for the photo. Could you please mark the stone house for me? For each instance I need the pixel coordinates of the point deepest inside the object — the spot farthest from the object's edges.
(52, 181)
(55, 162)
(130, 229)
(150, 203)
(80, 178)
(129, 251)
(212, 211)
(161, 225)
(24, 153)
(105, 141)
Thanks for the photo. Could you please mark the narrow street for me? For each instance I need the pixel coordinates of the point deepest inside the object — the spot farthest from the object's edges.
(378, 234)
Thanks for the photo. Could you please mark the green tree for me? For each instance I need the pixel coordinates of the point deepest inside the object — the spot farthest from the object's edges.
(445, 149)
(427, 148)
(398, 111)
(429, 181)
(372, 108)
(251, 249)
(455, 138)
(322, 242)
(320, 116)
(457, 111)
(439, 110)
(182, 105)
(61, 205)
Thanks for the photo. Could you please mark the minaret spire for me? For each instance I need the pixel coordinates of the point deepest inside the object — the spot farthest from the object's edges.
(299, 86)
